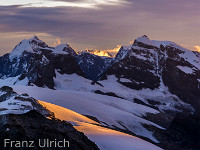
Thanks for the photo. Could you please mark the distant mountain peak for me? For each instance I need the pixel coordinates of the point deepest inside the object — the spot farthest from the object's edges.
(145, 36)
(64, 49)
(35, 41)
(144, 40)
(35, 38)
(29, 45)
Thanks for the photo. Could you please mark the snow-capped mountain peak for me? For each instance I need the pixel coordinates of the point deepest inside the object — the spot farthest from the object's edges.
(64, 49)
(61, 49)
(164, 43)
(28, 45)
(35, 41)
(144, 40)
(35, 38)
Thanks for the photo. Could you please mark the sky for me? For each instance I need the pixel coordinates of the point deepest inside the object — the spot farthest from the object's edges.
(99, 24)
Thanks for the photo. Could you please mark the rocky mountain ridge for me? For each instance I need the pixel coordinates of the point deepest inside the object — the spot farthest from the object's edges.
(154, 64)
(159, 75)
(144, 64)
(23, 118)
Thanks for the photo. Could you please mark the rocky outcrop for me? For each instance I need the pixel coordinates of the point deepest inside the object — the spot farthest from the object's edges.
(183, 133)
(13, 68)
(154, 64)
(16, 103)
(32, 126)
(139, 64)
(181, 75)
(23, 118)
(42, 68)
(92, 65)
(36, 63)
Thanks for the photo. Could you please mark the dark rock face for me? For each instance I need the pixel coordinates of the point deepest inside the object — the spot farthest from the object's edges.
(136, 71)
(7, 92)
(184, 85)
(156, 65)
(32, 126)
(92, 65)
(13, 68)
(139, 65)
(107, 93)
(39, 63)
(147, 65)
(182, 134)
(42, 68)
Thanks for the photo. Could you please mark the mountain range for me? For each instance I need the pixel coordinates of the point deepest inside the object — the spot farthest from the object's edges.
(147, 90)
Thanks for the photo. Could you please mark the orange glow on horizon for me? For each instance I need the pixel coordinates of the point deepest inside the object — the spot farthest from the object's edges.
(58, 42)
(197, 48)
(107, 53)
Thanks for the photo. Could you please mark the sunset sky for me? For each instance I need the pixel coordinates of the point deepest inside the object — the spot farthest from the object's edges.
(99, 24)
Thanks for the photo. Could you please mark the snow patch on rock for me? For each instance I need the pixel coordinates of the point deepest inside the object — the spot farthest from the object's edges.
(186, 69)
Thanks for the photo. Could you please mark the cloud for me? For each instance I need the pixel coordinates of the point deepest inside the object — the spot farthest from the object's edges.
(113, 51)
(78, 27)
(113, 23)
(63, 3)
(197, 48)
(106, 52)
(57, 42)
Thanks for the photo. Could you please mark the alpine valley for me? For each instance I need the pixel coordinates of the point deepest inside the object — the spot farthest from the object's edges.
(145, 97)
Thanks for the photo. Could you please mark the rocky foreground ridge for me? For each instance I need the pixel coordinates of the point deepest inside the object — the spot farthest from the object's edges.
(24, 119)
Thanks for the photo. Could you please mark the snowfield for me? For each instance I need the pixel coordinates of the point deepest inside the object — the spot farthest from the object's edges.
(108, 110)
(106, 139)
(186, 69)
(77, 83)
(78, 94)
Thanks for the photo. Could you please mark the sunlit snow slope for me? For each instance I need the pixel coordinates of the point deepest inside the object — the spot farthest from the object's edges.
(106, 139)
(110, 111)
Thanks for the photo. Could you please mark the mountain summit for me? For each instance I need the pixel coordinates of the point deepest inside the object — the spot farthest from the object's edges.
(143, 40)
(30, 46)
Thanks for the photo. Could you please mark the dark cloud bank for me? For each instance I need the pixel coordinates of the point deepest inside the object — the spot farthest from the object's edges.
(107, 26)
